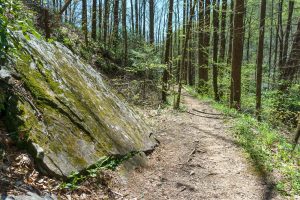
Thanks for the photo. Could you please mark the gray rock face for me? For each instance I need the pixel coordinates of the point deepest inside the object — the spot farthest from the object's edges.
(66, 111)
(28, 196)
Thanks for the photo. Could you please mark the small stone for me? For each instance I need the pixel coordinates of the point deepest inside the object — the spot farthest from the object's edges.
(192, 173)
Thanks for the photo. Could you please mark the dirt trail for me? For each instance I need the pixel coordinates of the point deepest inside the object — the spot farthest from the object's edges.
(197, 159)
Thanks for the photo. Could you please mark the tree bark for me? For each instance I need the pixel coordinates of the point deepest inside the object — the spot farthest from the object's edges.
(201, 48)
(167, 52)
(292, 66)
(260, 56)
(215, 48)
(136, 16)
(94, 20)
(84, 21)
(116, 20)
(100, 19)
(231, 32)
(124, 31)
(237, 54)
(271, 44)
(223, 31)
(151, 11)
(106, 20)
(184, 54)
(288, 30)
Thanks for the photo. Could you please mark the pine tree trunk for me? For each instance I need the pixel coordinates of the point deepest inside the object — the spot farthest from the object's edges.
(237, 54)
(260, 56)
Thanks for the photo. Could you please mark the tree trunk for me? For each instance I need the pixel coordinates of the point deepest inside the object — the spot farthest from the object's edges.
(100, 19)
(184, 54)
(132, 15)
(292, 66)
(167, 52)
(151, 11)
(271, 44)
(276, 45)
(116, 21)
(64, 8)
(201, 48)
(237, 54)
(136, 16)
(280, 5)
(106, 20)
(287, 32)
(249, 37)
(94, 20)
(223, 29)
(215, 48)
(84, 21)
(124, 30)
(260, 56)
(231, 32)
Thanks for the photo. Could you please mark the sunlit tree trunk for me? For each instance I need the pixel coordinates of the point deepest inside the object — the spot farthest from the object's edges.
(237, 54)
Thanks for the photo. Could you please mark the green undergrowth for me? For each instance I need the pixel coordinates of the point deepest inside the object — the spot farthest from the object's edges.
(270, 152)
(105, 163)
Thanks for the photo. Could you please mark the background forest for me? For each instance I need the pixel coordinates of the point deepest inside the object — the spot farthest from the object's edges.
(147, 38)
(243, 56)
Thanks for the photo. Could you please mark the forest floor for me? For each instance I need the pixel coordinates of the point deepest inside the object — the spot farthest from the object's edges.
(197, 158)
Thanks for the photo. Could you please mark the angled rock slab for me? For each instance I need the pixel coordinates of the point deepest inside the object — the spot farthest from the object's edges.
(70, 116)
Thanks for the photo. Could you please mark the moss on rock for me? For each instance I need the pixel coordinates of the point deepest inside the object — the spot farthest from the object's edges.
(65, 108)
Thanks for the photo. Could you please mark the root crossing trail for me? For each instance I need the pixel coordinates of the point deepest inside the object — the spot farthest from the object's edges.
(197, 159)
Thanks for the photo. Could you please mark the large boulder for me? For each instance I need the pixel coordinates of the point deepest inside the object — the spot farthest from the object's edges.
(64, 110)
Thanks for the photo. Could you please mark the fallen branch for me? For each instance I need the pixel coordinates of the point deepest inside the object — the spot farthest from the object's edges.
(209, 117)
(199, 111)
